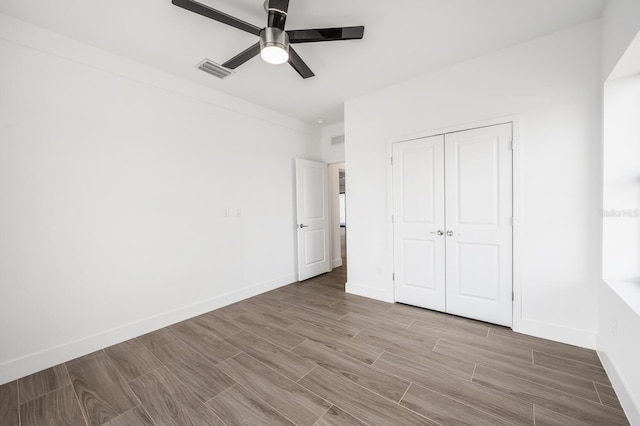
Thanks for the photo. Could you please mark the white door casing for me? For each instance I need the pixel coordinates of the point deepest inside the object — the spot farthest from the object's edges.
(459, 183)
(312, 218)
(418, 214)
(479, 203)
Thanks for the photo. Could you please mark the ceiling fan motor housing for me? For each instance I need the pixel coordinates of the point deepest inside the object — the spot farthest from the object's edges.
(274, 37)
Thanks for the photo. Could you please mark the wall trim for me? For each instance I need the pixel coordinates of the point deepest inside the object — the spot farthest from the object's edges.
(23, 366)
(370, 292)
(630, 406)
(568, 335)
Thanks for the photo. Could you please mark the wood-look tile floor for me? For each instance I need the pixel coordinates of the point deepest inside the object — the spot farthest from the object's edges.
(310, 354)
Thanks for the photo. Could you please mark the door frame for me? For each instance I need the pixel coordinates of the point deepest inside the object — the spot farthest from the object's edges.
(518, 211)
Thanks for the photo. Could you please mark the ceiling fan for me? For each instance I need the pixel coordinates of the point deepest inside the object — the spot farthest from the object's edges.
(274, 42)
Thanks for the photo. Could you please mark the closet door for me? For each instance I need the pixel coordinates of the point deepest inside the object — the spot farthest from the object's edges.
(479, 224)
(418, 191)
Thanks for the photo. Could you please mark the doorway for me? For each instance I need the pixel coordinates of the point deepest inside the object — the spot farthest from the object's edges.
(453, 209)
(338, 215)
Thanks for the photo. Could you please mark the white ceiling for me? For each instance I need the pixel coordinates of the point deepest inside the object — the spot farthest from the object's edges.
(403, 39)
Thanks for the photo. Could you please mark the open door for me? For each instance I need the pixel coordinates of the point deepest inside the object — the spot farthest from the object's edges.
(312, 195)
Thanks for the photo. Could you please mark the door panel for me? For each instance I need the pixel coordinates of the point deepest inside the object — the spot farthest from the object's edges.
(418, 188)
(312, 219)
(419, 267)
(479, 210)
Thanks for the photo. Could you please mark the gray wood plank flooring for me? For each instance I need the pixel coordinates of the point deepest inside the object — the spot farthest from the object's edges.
(310, 354)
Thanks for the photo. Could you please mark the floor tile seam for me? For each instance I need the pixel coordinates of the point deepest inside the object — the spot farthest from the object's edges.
(397, 403)
(210, 410)
(85, 416)
(18, 399)
(68, 377)
(534, 414)
(598, 393)
(175, 376)
(599, 367)
(419, 414)
(87, 356)
(128, 411)
(588, 401)
(124, 380)
(184, 342)
(337, 324)
(542, 384)
(235, 334)
(147, 349)
(147, 413)
(167, 366)
(365, 365)
(365, 387)
(577, 375)
(161, 346)
(299, 384)
(478, 407)
(429, 367)
(291, 350)
(516, 359)
(20, 404)
(323, 414)
(281, 375)
(388, 322)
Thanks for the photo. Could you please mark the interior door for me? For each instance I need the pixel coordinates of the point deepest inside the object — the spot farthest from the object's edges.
(419, 243)
(479, 223)
(312, 218)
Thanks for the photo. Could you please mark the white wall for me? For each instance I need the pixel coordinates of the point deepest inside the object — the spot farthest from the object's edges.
(552, 84)
(619, 345)
(332, 153)
(619, 300)
(115, 181)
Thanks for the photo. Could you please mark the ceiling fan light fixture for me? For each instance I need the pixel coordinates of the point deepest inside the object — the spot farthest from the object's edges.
(274, 46)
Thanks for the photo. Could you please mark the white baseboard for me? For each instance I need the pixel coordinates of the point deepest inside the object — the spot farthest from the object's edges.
(570, 336)
(371, 293)
(336, 263)
(32, 363)
(629, 404)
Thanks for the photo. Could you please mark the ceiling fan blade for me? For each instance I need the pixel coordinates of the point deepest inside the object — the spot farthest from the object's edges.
(216, 15)
(298, 64)
(277, 10)
(242, 57)
(325, 34)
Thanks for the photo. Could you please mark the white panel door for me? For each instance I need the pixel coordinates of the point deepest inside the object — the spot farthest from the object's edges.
(419, 251)
(312, 218)
(479, 223)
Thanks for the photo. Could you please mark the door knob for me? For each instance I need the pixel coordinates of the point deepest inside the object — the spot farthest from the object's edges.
(438, 232)
(303, 226)
(449, 233)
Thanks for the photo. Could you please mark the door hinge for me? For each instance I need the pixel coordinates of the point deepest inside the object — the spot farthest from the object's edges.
(512, 146)
(393, 276)
(513, 296)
